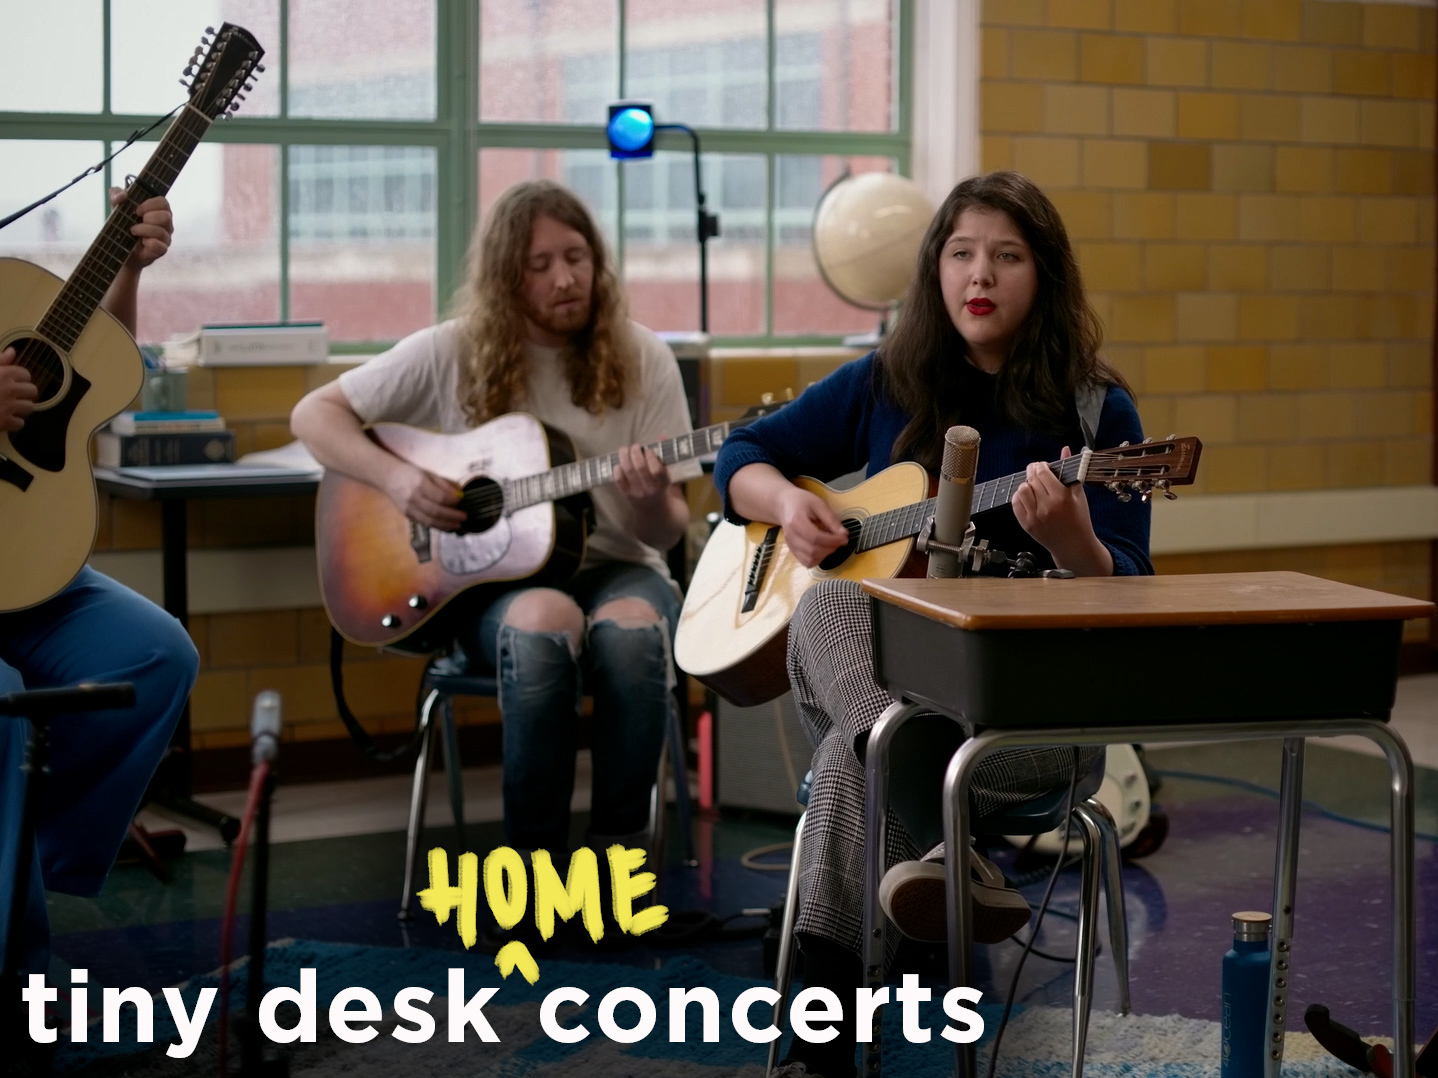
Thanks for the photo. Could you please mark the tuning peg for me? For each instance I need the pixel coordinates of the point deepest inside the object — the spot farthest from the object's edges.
(209, 30)
(1171, 437)
(788, 393)
(1123, 445)
(249, 86)
(766, 398)
(1125, 497)
(185, 84)
(259, 68)
(1147, 440)
(1170, 495)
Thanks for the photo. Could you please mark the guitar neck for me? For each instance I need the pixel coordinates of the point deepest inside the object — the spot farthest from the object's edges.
(72, 309)
(908, 520)
(582, 475)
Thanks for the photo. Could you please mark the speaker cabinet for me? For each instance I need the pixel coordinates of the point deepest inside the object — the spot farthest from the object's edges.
(763, 755)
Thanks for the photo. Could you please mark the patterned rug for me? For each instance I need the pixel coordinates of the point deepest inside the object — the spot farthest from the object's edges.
(1036, 1043)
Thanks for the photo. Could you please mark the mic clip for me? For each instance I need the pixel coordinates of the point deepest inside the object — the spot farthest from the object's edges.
(925, 543)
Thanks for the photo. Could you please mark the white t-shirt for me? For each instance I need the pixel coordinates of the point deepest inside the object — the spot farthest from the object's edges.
(417, 383)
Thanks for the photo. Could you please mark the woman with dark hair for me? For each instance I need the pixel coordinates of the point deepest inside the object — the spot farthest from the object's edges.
(994, 333)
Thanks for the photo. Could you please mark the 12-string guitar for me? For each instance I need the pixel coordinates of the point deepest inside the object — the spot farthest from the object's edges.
(82, 360)
(734, 627)
(385, 578)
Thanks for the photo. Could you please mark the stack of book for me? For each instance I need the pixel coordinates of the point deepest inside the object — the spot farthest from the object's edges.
(145, 439)
(250, 345)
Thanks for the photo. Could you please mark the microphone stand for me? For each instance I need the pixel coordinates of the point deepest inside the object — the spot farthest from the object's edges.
(973, 556)
(39, 706)
(258, 1060)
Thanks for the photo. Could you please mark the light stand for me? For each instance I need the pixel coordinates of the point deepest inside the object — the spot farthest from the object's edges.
(707, 224)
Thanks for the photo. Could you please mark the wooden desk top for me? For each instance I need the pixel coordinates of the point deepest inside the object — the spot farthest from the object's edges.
(1130, 601)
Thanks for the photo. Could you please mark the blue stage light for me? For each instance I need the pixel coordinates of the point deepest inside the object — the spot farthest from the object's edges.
(630, 131)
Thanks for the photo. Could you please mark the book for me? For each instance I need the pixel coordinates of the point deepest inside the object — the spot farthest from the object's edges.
(166, 422)
(251, 345)
(143, 450)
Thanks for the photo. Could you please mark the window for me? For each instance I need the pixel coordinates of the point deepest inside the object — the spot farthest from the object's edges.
(349, 183)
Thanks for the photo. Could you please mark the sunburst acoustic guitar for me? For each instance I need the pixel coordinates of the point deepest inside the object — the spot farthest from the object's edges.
(82, 360)
(734, 627)
(389, 581)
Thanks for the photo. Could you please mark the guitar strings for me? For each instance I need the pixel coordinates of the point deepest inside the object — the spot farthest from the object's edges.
(46, 368)
(491, 498)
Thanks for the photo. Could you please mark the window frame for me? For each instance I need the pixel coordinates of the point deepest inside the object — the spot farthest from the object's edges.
(456, 135)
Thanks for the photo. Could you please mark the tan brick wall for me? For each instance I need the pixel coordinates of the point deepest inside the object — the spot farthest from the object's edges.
(1249, 185)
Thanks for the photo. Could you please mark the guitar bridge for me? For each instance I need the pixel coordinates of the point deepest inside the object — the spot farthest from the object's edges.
(13, 474)
(758, 568)
(419, 540)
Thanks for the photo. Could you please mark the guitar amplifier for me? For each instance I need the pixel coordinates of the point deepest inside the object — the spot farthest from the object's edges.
(763, 754)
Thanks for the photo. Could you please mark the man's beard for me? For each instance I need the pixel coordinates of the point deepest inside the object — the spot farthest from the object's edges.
(563, 323)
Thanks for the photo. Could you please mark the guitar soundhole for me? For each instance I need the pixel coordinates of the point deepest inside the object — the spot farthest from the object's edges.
(483, 502)
(840, 556)
(47, 369)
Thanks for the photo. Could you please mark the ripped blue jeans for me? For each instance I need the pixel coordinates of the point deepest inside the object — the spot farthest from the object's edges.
(628, 672)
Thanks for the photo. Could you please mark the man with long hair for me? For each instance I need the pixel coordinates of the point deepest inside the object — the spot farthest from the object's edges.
(540, 326)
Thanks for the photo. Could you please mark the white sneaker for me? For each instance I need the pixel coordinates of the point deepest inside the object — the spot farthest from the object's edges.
(912, 895)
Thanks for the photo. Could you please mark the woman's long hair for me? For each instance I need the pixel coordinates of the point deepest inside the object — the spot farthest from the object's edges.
(1056, 348)
(491, 306)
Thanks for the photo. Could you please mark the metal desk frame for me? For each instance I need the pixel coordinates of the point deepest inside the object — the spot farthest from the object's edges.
(1292, 731)
(175, 791)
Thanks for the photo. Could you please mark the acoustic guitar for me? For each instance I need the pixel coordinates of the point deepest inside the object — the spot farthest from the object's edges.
(734, 628)
(83, 362)
(385, 578)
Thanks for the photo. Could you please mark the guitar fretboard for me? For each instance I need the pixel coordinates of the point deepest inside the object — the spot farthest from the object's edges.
(73, 307)
(582, 475)
(895, 524)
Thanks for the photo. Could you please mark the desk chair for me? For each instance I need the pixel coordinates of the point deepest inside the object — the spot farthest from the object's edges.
(445, 678)
(1034, 817)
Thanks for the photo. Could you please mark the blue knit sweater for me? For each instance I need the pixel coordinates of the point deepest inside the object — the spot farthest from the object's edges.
(846, 422)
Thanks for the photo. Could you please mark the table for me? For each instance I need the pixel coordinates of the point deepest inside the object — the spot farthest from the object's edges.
(1169, 658)
(173, 486)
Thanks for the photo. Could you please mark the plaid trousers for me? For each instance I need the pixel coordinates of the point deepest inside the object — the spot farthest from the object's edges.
(831, 670)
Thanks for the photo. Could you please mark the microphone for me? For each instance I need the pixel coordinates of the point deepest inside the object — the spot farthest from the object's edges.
(265, 727)
(956, 498)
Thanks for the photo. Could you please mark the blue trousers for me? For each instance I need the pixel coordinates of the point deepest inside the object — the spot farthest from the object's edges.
(101, 761)
(629, 673)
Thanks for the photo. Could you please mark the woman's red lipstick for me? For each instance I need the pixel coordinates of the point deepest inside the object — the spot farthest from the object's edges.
(980, 306)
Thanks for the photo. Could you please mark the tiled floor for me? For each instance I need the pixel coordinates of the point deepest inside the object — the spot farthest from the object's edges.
(336, 876)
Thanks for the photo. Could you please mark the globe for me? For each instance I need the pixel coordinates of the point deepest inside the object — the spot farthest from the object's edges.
(867, 231)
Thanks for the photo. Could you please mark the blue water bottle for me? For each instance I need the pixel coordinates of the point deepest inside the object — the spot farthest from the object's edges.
(1245, 996)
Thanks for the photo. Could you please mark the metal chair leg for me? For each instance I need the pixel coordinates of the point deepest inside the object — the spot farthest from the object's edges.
(1113, 897)
(416, 803)
(1087, 946)
(654, 833)
(1285, 878)
(454, 770)
(784, 967)
(682, 805)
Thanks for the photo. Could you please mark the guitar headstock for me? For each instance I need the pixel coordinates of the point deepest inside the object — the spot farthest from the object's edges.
(221, 68)
(767, 406)
(1145, 467)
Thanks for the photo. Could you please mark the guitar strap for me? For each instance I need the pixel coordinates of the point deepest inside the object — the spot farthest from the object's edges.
(1088, 398)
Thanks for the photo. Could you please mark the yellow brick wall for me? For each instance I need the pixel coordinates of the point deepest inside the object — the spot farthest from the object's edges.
(1250, 188)
(1249, 185)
